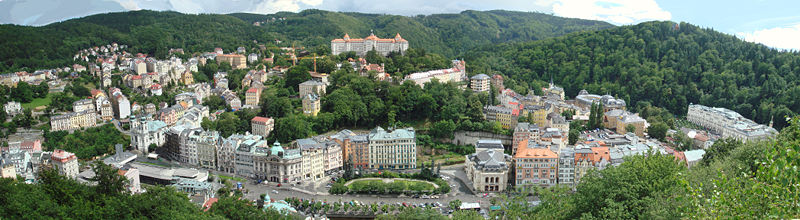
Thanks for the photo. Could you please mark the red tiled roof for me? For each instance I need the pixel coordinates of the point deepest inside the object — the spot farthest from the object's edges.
(260, 119)
(252, 90)
(207, 205)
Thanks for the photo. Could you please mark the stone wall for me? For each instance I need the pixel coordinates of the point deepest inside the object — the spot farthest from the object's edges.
(470, 137)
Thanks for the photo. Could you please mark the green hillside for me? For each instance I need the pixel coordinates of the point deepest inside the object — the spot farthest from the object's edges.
(655, 63)
(448, 34)
(155, 32)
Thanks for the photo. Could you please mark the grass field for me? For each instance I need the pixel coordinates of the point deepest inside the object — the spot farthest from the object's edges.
(397, 185)
(232, 178)
(38, 102)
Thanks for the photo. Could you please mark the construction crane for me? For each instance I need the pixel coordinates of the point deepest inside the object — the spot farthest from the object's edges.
(314, 57)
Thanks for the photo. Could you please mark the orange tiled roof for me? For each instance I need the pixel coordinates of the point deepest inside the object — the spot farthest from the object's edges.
(523, 151)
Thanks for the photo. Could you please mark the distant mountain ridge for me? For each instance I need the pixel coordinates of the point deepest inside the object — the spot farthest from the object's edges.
(155, 32)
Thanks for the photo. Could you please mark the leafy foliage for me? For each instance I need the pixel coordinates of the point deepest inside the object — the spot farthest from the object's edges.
(656, 63)
(86, 143)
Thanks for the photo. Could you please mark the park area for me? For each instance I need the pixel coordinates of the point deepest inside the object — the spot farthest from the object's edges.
(390, 186)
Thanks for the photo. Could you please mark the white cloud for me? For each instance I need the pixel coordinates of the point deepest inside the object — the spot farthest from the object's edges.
(614, 11)
(272, 6)
(129, 5)
(779, 37)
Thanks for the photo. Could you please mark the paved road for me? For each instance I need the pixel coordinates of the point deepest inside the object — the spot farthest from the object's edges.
(315, 190)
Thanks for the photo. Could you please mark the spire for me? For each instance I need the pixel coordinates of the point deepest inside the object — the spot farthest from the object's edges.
(346, 36)
(397, 37)
(371, 33)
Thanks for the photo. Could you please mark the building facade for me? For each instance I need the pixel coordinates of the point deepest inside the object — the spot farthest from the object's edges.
(147, 132)
(262, 126)
(728, 123)
(392, 150)
(312, 87)
(535, 166)
(237, 61)
(65, 163)
(311, 105)
(455, 74)
(488, 170)
(480, 83)
(383, 46)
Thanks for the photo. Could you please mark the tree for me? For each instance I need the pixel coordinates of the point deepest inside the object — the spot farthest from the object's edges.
(720, 149)
(658, 130)
(573, 136)
(443, 129)
(214, 102)
(630, 128)
(296, 75)
(455, 204)
(108, 180)
(23, 93)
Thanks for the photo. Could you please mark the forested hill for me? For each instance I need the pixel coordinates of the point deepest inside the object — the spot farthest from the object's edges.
(447, 34)
(155, 32)
(658, 63)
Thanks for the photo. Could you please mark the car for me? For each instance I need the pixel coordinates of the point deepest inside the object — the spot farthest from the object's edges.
(279, 185)
(275, 191)
(425, 197)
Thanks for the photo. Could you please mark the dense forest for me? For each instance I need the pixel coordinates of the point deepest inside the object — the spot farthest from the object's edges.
(447, 34)
(660, 63)
(154, 33)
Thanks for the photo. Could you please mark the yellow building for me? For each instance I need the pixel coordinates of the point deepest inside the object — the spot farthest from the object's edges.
(505, 116)
(237, 61)
(311, 105)
(252, 96)
(538, 113)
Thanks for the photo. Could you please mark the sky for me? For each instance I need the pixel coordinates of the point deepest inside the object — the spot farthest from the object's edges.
(775, 23)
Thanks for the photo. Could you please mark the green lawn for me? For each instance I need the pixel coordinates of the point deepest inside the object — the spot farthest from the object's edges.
(396, 186)
(232, 178)
(38, 102)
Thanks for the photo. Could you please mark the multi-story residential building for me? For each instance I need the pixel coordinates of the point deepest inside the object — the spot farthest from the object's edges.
(232, 99)
(556, 120)
(178, 145)
(262, 126)
(392, 150)
(728, 123)
(332, 156)
(355, 148)
(65, 163)
(566, 167)
(538, 113)
(311, 105)
(106, 110)
(20, 160)
(480, 83)
(12, 108)
(285, 165)
(73, 120)
(371, 42)
(313, 162)
(207, 143)
(456, 74)
(505, 116)
(252, 97)
(497, 82)
(226, 154)
(139, 66)
(524, 132)
(83, 105)
(147, 132)
(488, 170)
(535, 166)
(585, 100)
(237, 61)
(618, 120)
(246, 161)
(121, 105)
(7, 170)
(312, 87)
